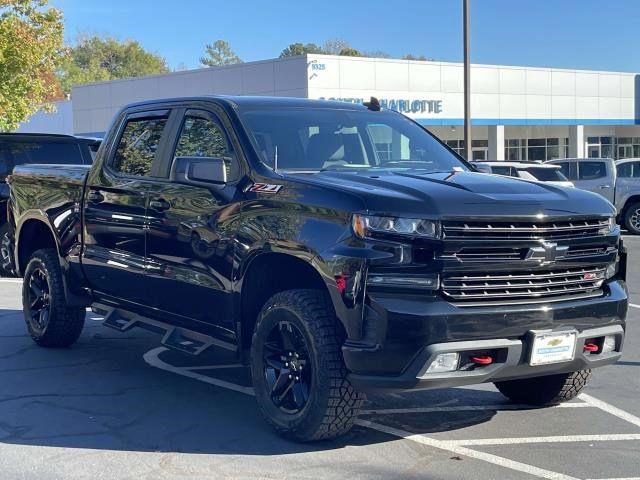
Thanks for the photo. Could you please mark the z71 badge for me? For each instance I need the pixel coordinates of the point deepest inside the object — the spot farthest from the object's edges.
(265, 188)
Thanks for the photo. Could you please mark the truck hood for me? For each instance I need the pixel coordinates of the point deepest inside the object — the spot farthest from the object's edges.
(460, 194)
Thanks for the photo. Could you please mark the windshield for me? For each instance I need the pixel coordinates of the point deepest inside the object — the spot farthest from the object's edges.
(315, 139)
(547, 174)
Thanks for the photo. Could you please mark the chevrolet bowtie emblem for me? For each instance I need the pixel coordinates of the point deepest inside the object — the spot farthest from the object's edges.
(547, 253)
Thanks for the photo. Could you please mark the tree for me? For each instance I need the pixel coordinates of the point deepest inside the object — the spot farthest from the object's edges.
(334, 46)
(31, 48)
(349, 52)
(219, 53)
(96, 59)
(300, 49)
(414, 57)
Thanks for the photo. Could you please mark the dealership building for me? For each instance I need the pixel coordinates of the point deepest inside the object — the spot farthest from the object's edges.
(518, 113)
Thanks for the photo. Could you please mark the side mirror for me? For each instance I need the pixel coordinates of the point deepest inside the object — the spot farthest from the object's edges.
(202, 171)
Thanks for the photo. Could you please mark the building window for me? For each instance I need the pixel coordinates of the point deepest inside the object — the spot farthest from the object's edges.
(536, 149)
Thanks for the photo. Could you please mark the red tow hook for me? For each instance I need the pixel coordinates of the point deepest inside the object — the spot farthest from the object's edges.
(482, 360)
(591, 347)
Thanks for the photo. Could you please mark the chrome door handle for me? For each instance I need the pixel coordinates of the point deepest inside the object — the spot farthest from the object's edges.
(602, 187)
(95, 196)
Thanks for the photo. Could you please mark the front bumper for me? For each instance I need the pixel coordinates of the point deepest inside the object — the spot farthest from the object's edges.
(406, 332)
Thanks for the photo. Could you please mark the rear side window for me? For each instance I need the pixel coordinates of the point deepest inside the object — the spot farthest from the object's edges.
(592, 170)
(547, 174)
(138, 146)
(569, 170)
(506, 171)
(629, 170)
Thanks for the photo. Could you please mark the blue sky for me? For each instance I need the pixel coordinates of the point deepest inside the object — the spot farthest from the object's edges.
(590, 34)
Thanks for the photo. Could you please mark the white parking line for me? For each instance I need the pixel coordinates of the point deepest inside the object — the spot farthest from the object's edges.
(634, 306)
(467, 452)
(10, 280)
(614, 437)
(610, 409)
(625, 478)
(153, 359)
(467, 408)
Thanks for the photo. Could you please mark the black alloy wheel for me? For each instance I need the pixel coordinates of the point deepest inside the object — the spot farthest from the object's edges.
(39, 307)
(287, 367)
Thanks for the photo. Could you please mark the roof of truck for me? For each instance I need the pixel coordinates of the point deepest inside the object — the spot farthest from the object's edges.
(257, 101)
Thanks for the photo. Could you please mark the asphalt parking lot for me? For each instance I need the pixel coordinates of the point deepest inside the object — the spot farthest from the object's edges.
(118, 406)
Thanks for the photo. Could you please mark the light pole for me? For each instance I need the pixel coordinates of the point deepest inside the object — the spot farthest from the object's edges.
(467, 81)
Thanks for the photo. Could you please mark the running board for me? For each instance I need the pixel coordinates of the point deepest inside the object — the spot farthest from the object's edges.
(176, 338)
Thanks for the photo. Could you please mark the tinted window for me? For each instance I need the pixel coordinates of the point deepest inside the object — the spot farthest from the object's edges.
(506, 171)
(547, 174)
(20, 153)
(311, 139)
(201, 137)
(138, 145)
(592, 170)
(568, 169)
(625, 170)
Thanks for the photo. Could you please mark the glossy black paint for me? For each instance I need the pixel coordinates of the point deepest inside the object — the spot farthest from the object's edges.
(182, 253)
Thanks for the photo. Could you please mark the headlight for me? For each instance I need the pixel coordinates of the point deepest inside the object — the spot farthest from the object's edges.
(365, 226)
(610, 227)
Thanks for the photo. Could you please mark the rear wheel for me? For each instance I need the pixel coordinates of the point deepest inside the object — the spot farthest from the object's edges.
(50, 322)
(548, 390)
(298, 373)
(632, 218)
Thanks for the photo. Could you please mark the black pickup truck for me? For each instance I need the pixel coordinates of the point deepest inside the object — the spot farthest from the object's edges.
(337, 249)
(25, 148)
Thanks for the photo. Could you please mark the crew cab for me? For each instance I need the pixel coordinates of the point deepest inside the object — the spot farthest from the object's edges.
(617, 181)
(337, 249)
(25, 148)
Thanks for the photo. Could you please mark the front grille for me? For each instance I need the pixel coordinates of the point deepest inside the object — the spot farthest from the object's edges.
(524, 287)
(523, 230)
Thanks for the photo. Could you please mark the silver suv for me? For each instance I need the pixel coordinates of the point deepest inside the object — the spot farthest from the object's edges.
(617, 181)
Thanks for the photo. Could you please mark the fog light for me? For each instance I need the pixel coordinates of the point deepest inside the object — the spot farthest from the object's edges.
(612, 269)
(444, 362)
(609, 344)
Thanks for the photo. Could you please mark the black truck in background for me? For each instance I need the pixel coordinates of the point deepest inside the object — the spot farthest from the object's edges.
(36, 148)
(337, 249)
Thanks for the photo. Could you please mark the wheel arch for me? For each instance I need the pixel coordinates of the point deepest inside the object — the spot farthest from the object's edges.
(268, 273)
(34, 232)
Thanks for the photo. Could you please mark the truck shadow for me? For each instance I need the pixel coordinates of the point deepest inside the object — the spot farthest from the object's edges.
(100, 394)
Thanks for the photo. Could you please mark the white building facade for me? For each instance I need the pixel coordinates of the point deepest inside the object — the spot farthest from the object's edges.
(518, 113)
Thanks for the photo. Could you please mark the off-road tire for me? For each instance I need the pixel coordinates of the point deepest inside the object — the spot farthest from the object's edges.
(631, 218)
(333, 403)
(548, 390)
(65, 323)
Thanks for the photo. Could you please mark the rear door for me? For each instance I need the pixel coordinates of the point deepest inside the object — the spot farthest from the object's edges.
(192, 228)
(627, 182)
(597, 176)
(115, 207)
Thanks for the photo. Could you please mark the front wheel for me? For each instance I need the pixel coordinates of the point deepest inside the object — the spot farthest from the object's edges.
(632, 219)
(299, 376)
(547, 390)
(50, 321)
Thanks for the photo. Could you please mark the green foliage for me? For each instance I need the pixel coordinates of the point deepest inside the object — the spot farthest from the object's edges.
(30, 50)
(96, 59)
(300, 49)
(219, 53)
(349, 52)
(414, 57)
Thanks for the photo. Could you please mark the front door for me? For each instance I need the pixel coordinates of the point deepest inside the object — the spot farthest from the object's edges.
(115, 209)
(191, 233)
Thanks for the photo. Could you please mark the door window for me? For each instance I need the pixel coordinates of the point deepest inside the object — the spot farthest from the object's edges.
(592, 170)
(138, 146)
(202, 137)
(569, 170)
(506, 171)
(629, 170)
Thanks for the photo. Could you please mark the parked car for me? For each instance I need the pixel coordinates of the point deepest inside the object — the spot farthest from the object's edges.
(337, 249)
(539, 172)
(602, 176)
(27, 148)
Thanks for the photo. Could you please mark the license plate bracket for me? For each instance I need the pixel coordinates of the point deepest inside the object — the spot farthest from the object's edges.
(552, 347)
